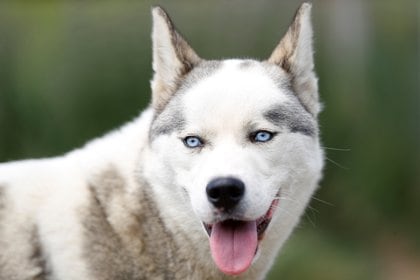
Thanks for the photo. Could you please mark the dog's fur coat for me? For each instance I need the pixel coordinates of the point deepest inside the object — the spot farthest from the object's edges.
(133, 204)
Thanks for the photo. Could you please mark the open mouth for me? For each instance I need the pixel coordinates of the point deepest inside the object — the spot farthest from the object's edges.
(234, 243)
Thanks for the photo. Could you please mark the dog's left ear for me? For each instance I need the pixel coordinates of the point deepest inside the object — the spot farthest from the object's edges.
(294, 54)
(173, 58)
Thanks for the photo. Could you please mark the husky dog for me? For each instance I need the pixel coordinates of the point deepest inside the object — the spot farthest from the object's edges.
(207, 183)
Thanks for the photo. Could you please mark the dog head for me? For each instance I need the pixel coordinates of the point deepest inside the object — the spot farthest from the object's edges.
(236, 140)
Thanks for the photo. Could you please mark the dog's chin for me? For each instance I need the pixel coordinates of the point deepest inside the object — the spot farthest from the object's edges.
(234, 242)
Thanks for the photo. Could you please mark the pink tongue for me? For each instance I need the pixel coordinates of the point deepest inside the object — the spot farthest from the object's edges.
(233, 245)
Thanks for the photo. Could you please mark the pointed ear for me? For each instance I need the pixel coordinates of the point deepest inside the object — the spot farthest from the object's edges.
(173, 58)
(294, 54)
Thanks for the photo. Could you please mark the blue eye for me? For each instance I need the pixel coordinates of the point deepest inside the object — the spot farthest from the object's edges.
(262, 136)
(193, 142)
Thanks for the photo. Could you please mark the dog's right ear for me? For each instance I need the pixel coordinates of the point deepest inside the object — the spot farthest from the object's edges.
(173, 58)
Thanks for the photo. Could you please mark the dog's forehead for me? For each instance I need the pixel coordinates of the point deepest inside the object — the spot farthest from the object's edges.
(235, 85)
(227, 93)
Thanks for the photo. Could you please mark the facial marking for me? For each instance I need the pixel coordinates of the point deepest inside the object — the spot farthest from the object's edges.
(292, 116)
(170, 120)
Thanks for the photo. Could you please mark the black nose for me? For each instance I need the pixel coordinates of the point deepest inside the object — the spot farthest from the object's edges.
(225, 192)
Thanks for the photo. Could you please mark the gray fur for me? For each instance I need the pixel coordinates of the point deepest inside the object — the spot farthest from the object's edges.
(38, 257)
(170, 120)
(248, 63)
(21, 254)
(143, 249)
(294, 117)
(108, 184)
(285, 82)
(107, 257)
(281, 78)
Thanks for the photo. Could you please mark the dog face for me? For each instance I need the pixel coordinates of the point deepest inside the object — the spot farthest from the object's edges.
(239, 138)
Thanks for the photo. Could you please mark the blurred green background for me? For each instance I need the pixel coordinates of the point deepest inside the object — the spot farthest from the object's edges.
(72, 70)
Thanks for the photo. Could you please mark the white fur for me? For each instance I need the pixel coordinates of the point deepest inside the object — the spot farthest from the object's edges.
(52, 191)
(220, 108)
(291, 163)
(245, 94)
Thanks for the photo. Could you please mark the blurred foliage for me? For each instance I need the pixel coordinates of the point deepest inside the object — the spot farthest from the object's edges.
(72, 70)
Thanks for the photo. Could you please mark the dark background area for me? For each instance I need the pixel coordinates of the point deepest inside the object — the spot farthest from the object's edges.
(73, 70)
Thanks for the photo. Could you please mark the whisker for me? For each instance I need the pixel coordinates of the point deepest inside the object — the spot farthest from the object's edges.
(313, 209)
(337, 164)
(289, 199)
(310, 220)
(323, 201)
(337, 149)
